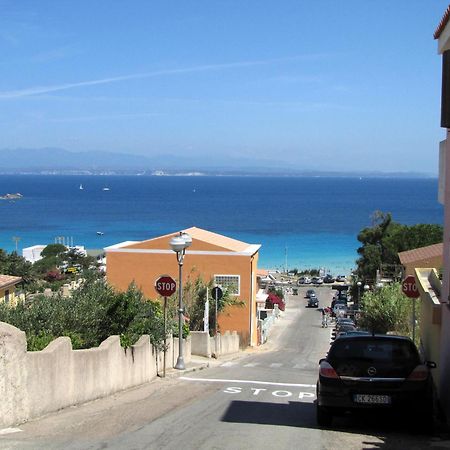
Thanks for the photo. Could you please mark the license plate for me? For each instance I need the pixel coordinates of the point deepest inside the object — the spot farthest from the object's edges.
(372, 399)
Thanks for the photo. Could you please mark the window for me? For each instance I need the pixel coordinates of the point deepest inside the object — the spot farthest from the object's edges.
(229, 283)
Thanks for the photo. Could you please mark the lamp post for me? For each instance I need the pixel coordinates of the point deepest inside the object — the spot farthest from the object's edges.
(179, 244)
(359, 291)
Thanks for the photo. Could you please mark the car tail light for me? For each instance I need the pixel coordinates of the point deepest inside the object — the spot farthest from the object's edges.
(420, 373)
(326, 370)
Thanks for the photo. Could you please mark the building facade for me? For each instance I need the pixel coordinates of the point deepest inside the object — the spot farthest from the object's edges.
(8, 285)
(230, 263)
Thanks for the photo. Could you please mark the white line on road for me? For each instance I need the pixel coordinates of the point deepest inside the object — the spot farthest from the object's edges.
(270, 383)
(276, 365)
(229, 364)
(251, 365)
(9, 430)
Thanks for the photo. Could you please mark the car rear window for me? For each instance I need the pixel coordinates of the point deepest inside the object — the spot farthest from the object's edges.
(374, 350)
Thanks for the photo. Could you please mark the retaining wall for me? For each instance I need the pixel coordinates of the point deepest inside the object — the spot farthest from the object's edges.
(36, 383)
(222, 344)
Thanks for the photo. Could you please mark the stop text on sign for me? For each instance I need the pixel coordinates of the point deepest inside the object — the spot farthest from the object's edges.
(409, 287)
(165, 286)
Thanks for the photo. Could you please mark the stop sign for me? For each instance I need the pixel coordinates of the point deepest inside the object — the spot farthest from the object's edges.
(165, 286)
(409, 287)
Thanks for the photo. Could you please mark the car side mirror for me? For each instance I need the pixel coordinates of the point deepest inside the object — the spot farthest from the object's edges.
(431, 364)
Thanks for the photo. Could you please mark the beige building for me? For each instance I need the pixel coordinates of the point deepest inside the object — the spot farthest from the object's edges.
(8, 285)
(429, 256)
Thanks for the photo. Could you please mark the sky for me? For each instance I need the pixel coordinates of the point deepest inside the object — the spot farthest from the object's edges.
(348, 85)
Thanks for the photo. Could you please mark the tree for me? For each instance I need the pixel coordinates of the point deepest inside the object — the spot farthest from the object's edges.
(382, 242)
(53, 250)
(194, 299)
(386, 309)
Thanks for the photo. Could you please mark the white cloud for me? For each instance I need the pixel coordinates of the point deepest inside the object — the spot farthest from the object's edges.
(37, 90)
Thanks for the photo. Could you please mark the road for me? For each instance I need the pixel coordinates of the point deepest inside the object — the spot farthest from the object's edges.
(262, 400)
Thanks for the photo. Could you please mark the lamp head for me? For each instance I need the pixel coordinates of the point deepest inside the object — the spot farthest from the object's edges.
(187, 239)
(177, 244)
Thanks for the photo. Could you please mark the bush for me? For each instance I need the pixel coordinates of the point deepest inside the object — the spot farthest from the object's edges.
(273, 300)
(386, 310)
(93, 313)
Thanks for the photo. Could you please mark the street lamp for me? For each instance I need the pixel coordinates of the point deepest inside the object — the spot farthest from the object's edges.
(179, 244)
(359, 291)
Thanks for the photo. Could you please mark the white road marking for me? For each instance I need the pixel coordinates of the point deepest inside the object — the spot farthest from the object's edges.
(10, 430)
(299, 366)
(251, 365)
(276, 365)
(269, 383)
(229, 364)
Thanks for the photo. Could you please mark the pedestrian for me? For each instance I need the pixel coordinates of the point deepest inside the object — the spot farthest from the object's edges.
(324, 318)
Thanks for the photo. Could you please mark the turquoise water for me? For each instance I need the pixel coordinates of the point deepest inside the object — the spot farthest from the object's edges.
(308, 222)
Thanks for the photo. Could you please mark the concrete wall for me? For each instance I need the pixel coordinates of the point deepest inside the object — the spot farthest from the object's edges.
(222, 344)
(36, 383)
(430, 317)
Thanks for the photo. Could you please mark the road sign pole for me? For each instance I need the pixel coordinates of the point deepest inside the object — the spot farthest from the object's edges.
(215, 315)
(165, 286)
(409, 288)
(165, 336)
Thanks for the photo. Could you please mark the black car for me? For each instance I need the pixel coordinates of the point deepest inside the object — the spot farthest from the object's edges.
(313, 301)
(342, 329)
(310, 292)
(329, 279)
(374, 371)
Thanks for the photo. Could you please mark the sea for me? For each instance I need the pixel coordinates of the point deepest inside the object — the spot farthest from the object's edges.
(300, 222)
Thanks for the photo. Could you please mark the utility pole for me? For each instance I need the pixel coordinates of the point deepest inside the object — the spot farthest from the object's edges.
(16, 239)
(285, 260)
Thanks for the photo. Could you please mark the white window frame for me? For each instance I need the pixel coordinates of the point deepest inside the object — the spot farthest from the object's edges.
(225, 287)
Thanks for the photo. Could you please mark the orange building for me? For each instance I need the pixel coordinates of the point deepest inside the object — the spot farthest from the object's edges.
(229, 262)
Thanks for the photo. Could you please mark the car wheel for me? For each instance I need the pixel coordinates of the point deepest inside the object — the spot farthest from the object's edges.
(324, 417)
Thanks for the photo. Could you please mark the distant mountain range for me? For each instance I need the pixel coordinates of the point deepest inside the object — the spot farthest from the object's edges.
(59, 161)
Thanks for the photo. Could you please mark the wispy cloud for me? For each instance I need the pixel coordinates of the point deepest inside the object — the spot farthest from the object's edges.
(37, 90)
(104, 117)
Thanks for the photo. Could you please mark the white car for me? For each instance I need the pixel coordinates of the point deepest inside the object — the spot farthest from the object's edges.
(304, 280)
(340, 310)
(317, 280)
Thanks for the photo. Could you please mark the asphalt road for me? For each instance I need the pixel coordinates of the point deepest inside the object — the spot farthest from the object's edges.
(262, 400)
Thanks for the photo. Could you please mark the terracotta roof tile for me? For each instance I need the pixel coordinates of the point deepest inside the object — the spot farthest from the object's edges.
(442, 23)
(7, 280)
(419, 254)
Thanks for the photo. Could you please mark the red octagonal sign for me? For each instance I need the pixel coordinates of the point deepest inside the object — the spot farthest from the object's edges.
(409, 287)
(165, 285)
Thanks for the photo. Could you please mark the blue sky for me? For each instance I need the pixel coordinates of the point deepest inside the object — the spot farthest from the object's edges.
(342, 85)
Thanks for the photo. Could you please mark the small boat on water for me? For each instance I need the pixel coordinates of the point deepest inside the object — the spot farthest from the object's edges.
(100, 233)
(11, 196)
(105, 188)
(81, 187)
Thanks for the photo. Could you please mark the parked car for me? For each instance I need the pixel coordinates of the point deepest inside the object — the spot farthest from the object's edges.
(374, 372)
(341, 279)
(313, 301)
(310, 292)
(316, 280)
(339, 310)
(304, 280)
(343, 329)
(329, 278)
